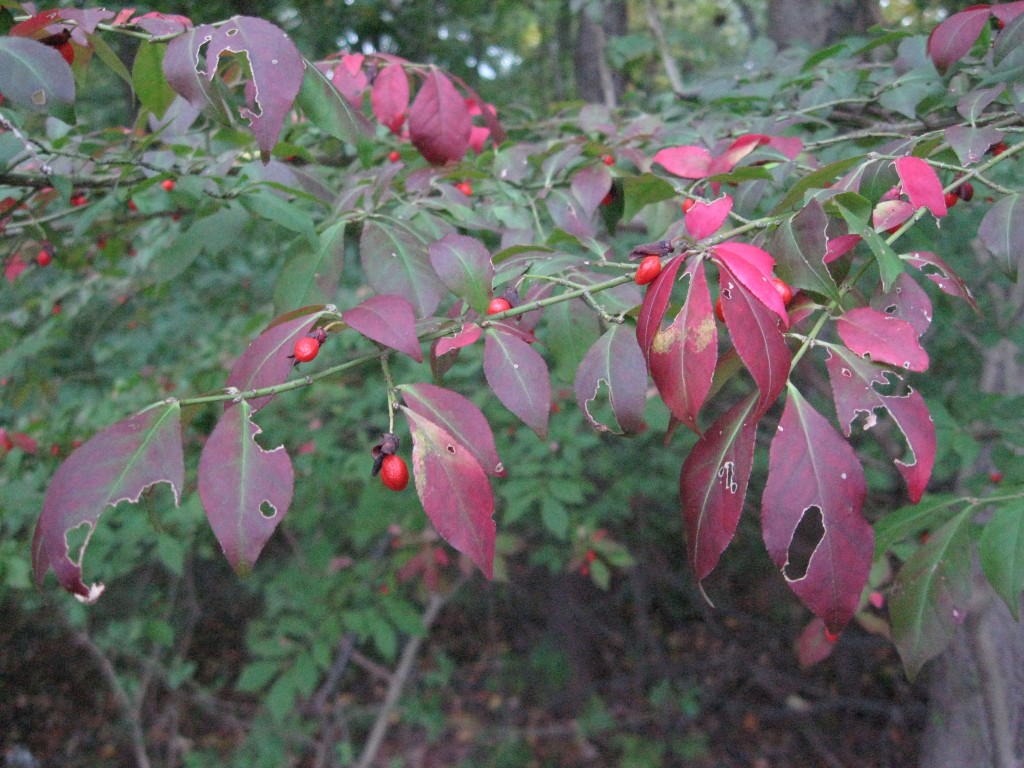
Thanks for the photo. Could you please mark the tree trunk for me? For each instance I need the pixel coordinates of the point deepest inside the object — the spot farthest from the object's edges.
(816, 23)
(595, 81)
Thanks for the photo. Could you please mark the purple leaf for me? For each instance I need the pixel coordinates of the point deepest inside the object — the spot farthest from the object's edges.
(454, 490)
(388, 320)
(518, 375)
(469, 334)
(590, 185)
(34, 76)
(116, 465)
(974, 102)
(265, 362)
(940, 273)
(616, 362)
(160, 24)
(970, 143)
(886, 338)
(853, 390)
(397, 262)
(907, 301)
(810, 467)
(245, 490)
(464, 266)
(800, 245)
(390, 96)
(1002, 231)
(689, 162)
(921, 184)
(951, 40)
(459, 418)
(439, 123)
(704, 219)
(713, 485)
(276, 65)
(682, 357)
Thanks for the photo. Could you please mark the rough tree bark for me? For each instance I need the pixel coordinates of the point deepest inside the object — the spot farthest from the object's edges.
(595, 80)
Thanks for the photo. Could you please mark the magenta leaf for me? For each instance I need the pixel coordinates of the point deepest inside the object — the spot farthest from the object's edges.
(469, 334)
(590, 185)
(245, 490)
(388, 320)
(951, 40)
(890, 213)
(752, 266)
(974, 102)
(349, 79)
(265, 362)
(704, 219)
(1002, 231)
(275, 63)
(940, 273)
(655, 304)
(840, 245)
(454, 490)
(439, 123)
(464, 266)
(518, 375)
(813, 471)
(813, 645)
(736, 151)
(616, 363)
(390, 96)
(682, 357)
(755, 334)
(907, 301)
(689, 162)
(116, 465)
(713, 485)
(459, 417)
(853, 389)
(886, 338)
(921, 184)
(396, 261)
(800, 245)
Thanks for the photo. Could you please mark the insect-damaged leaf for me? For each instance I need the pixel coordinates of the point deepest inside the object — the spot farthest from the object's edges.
(275, 63)
(853, 389)
(116, 465)
(35, 77)
(713, 485)
(886, 338)
(388, 320)
(439, 123)
(655, 304)
(396, 261)
(704, 219)
(615, 362)
(454, 490)
(812, 470)
(245, 490)
(752, 266)
(266, 362)
(459, 417)
(465, 268)
(682, 357)
(518, 375)
(390, 96)
(907, 301)
(940, 273)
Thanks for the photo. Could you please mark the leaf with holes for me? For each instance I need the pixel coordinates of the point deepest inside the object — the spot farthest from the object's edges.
(1002, 231)
(752, 266)
(116, 465)
(459, 417)
(951, 40)
(1001, 551)
(853, 389)
(464, 266)
(388, 320)
(245, 490)
(704, 219)
(439, 123)
(518, 375)
(266, 362)
(35, 77)
(275, 63)
(921, 184)
(454, 490)
(689, 162)
(396, 261)
(616, 363)
(931, 593)
(800, 246)
(813, 471)
(390, 96)
(940, 273)
(886, 338)
(906, 300)
(713, 485)
(682, 357)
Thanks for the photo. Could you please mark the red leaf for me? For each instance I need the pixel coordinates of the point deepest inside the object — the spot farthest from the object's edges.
(921, 184)
(810, 466)
(464, 266)
(36, 23)
(713, 485)
(755, 334)
(439, 123)
(689, 162)
(886, 338)
(468, 335)
(388, 320)
(390, 96)
(907, 301)
(518, 375)
(655, 304)
(245, 490)
(813, 645)
(839, 246)
(890, 213)
(682, 357)
(24, 442)
(116, 465)
(615, 361)
(736, 151)
(953, 39)
(704, 219)
(265, 362)
(940, 273)
(454, 490)
(853, 389)
(460, 418)
(350, 79)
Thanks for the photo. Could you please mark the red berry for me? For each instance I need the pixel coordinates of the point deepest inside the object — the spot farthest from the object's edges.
(608, 199)
(55, 450)
(649, 269)
(952, 198)
(998, 148)
(500, 304)
(591, 556)
(688, 203)
(132, 206)
(78, 199)
(832, 637)
(394, 156)
(465, 188)
(44, 257)
(608, 159)
(68, 52)
(306, 349)
(995, 477)
(965, 191)
(394, 473)
(784, 290)
(718, 310)
(584, 570)
(167, 184)
(57, 309)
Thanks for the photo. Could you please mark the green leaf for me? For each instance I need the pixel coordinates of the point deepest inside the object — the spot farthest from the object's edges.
(329, 111)
(890, 266)
(285, 214)
(799, 245)
(900, 524)
(107, 55)
(554, 516)
(1001, 549)
(212, 234)
(148, 78)
(311, 276)
(642, 190)
(35, 77)
(821, 178)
